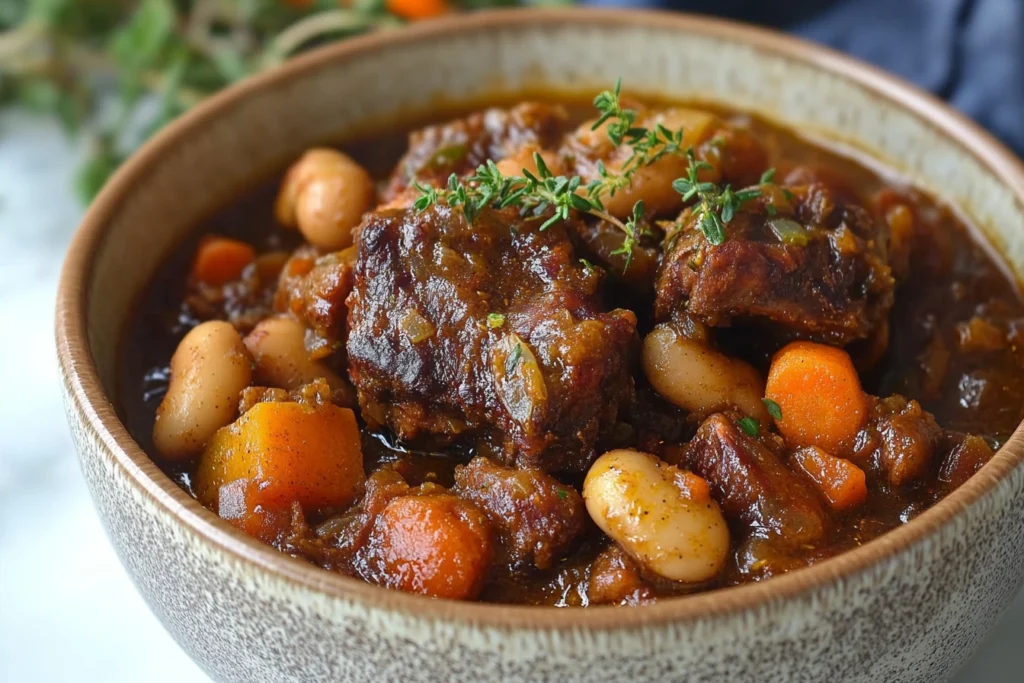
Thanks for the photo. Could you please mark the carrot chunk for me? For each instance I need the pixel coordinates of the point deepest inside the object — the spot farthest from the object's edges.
(287, 452)
(819, 395)
(695, 486)
(234, 504)
(436, 544)
(220, 260)
(842, 483)
(414, 10)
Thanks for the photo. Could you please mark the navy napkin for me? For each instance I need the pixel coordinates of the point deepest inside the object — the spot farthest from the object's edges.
(968, 52)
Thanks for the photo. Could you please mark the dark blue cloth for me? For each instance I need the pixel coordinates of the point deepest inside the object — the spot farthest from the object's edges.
(969, 52)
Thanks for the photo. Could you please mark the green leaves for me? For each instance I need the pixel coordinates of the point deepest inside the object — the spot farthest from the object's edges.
(139, 43)
(717, 206)
(773, 408)
(749, 425)
(60, 56)
(607, 104)
(632, 232)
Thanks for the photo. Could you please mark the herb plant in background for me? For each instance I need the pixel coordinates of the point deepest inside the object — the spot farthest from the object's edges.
(116, 71)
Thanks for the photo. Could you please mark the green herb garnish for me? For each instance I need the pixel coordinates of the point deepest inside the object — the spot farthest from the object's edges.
(495, 320)
(716, 206)
(546, 196)
(773, 408)
(749, 426)
(563, 494)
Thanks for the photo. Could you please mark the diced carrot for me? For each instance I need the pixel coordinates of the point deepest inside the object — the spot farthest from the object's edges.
(220, 260)
(842, 483)
(288, 452)
(235, 505)
(437, 545)
(414, 10)
(696, 487)
(819, 395)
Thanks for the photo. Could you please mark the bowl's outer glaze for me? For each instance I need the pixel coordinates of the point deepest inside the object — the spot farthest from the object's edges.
(910, 606)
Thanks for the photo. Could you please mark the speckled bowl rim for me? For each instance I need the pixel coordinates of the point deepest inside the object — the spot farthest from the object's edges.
(89, 398)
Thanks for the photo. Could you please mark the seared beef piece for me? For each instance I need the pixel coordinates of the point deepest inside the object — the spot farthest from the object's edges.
(459, 146)
(751, 482)
(313, 288)
(824, 276)
(536, 516)
(615, 579)
(491, 330)
(900, 440)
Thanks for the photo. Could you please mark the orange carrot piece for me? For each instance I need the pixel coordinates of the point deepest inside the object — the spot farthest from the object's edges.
(220, 260)
(695, 486)
(414, 10)
(288, 452)
(843, 484)
(436, 544)
(235, 505)
(819, 395)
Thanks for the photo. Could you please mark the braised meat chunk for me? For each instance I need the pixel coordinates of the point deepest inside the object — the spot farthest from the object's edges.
(485, 330)
(459, 146)
(795, 260)
(313, 288)
(537, 517)
(753, 484)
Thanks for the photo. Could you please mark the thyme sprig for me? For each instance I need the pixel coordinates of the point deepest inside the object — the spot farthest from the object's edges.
(537, 196)
(716, 205)
(543, 195)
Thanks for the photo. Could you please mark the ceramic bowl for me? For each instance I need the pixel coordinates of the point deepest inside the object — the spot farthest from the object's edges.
(910, 606)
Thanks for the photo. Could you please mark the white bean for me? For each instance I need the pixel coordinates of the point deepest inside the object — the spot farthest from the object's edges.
(209, 369)
(325, 193)
(278, 349)
(648, 508)
(699, 379)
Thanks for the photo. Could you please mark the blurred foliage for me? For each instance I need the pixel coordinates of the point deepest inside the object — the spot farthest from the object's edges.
(106, 67)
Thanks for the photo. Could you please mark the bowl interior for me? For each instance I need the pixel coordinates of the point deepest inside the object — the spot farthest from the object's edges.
(208, 158)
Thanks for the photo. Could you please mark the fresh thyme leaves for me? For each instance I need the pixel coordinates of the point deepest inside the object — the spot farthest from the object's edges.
(545, 195)
(647, 145)
(768, 176)
(749, 426)
(773, 408)
(563, 494)
(536, 195)
(716, 206)
(495, 320)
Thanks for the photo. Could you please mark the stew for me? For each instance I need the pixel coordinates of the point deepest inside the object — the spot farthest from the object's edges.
(566, 354)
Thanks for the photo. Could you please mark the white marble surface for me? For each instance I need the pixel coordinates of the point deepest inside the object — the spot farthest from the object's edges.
(68, 612)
